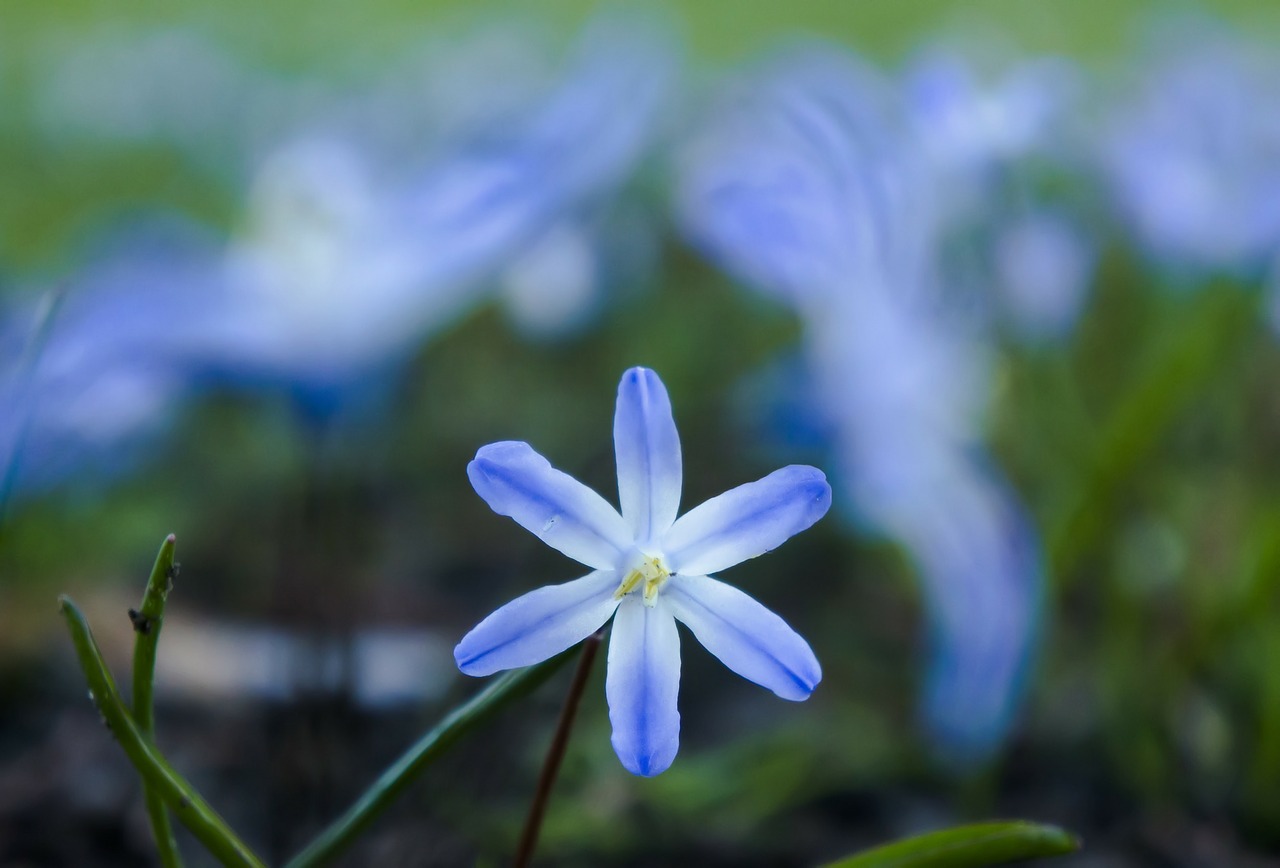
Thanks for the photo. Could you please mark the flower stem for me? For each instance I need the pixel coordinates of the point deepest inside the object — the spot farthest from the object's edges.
(555, 752)
(502, 691)
(147, 620)
(189, 806)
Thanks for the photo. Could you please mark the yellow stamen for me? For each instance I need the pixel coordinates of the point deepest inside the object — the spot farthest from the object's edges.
(652, 573)
(628, 584)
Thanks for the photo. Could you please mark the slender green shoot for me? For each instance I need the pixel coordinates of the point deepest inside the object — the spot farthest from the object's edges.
(501, 692)
(188, 805)
(147, 621)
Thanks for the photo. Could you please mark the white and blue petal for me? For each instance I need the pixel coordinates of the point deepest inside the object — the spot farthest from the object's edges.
(538, 625)
(648, 453)
(747, 521)
(642, 684)
(745, 636)
(571, 518)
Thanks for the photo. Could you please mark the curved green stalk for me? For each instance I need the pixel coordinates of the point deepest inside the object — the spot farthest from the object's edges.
(191, 809)
(968, 847)
(501, 692)
(147, 621)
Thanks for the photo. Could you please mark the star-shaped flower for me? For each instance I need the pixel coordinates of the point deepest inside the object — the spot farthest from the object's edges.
(649, 568)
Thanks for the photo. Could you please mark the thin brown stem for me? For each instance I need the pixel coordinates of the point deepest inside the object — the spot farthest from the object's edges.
(555, 752)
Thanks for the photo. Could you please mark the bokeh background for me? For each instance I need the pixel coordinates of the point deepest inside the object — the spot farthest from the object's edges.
(1008, 271)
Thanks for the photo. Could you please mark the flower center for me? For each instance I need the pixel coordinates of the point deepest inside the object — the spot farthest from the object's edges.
(651, 573)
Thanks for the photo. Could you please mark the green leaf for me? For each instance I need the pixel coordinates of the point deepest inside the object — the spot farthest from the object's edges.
(189, 806)
(968, 847)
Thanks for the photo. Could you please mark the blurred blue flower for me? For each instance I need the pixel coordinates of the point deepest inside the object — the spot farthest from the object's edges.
(323, 285)
(553, 288)
(86, 386)
(809, 187)
(980, 559)
(563, 282)
(989, 143)
(1043, 265)
(649, 568)
(1193, 156)
(339, 270)
(966, 124)
(342, 272)
(782, 189)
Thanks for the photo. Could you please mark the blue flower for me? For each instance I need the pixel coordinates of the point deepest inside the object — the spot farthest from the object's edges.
(345, 270)
(807, 186)
(965, 125)
(1043, 263)
(89, 381)
(1191, 158)
(649, 568)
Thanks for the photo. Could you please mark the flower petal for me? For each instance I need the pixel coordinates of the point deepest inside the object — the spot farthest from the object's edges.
(642, 684)
(565, 514)
(747, 521)
(744, 635)
(648, 452)
(538, 625)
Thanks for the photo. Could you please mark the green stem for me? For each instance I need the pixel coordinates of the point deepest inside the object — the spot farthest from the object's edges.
(147, 621)
(501, 692)
(189, 806)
